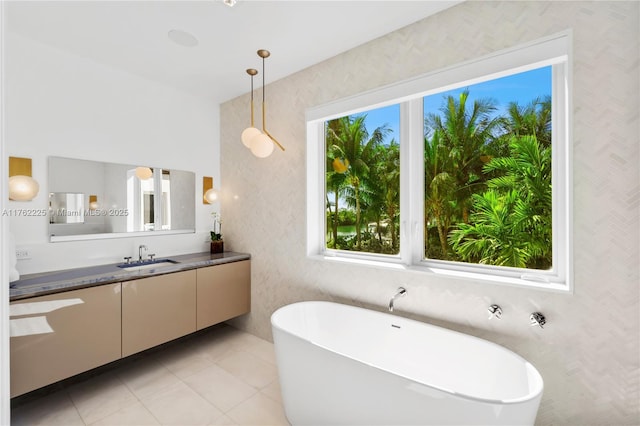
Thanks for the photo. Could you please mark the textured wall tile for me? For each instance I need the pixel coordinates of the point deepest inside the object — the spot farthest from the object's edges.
(588, 354)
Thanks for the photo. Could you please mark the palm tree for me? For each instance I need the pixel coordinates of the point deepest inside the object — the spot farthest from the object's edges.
(348, 138)
(459, 138)
(335, 178)
(386, 197)
(531, 119)
(438, 185)
(511, 222)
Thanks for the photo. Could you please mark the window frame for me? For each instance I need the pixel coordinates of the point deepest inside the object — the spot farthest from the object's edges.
(553, 50)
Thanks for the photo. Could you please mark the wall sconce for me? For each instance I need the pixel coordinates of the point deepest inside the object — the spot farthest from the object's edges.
(260, 143)
(93, 202)
(144, 173)
(209, 194)
(22, 187)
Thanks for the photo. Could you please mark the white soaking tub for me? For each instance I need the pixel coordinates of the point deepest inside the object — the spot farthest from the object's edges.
(344, 365)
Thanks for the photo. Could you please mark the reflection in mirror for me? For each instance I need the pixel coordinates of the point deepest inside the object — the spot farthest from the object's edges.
(148, 212)
(66, 207)
(128, 201)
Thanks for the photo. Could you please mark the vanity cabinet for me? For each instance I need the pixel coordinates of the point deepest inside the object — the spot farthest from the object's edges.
(224, 292)
(158, 309)
(56, 336)
(60, 335)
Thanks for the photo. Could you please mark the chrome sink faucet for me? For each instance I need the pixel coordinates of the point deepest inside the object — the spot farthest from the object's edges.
(401, 292)
(142, 246)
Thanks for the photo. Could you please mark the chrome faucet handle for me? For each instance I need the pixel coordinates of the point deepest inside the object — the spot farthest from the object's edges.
(538, 319)
(127, 259)
(151, 256)
(495, 311)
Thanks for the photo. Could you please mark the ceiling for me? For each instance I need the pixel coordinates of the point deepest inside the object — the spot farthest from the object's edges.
(132, 35)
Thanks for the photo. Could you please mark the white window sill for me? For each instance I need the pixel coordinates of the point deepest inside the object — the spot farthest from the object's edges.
(472, 277)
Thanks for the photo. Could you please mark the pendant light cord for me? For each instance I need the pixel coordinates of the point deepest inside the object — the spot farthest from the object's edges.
(252, 101)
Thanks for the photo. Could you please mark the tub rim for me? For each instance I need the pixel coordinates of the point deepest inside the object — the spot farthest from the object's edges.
(538, 386)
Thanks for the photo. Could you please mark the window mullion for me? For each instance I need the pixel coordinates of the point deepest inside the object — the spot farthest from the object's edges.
(413, 184)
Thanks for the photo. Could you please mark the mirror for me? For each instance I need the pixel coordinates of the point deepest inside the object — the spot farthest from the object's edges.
(92, 199)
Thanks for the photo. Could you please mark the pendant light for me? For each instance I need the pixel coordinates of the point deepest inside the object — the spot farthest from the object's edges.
(251, 131)
(261, 144)
(144, 173)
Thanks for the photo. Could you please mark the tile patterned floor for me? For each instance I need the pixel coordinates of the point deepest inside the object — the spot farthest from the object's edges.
(220, 377)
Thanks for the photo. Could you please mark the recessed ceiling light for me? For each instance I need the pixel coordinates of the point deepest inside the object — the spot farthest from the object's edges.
(182, 38)
(229, 3)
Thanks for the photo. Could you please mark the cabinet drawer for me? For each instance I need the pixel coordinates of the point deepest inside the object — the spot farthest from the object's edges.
(58, 336)
(224, 292)
(158, 309)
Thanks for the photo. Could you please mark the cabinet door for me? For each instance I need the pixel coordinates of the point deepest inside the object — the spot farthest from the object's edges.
(224, 292)
(158, 309)
(57, 336)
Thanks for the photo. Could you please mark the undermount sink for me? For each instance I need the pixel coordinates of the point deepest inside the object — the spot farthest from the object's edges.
(147, 264)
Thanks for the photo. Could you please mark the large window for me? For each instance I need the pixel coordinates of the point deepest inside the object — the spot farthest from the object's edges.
(462, 172)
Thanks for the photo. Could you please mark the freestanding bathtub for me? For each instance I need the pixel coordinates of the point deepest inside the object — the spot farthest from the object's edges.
(344, 365)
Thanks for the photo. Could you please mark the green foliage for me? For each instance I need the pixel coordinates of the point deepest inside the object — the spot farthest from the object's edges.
(511, 221)
(487, 181)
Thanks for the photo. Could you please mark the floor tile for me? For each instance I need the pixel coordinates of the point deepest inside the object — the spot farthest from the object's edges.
(178, 404)
(224, 421)
(133, 415)
(262, 349)
(259, 410)
(249, 368)
(100, 396)
(184, 362)
(146, 377)
(216, 348)
(273, 391)
(220, 387)
(53, 409)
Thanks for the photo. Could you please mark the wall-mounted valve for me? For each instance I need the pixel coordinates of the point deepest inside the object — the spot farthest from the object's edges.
(495, 311)
(538, 319)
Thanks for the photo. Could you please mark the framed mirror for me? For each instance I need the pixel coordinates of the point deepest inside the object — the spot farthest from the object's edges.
(93, 199)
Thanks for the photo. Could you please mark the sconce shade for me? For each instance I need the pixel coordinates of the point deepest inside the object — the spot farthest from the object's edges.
(248, 134)
(93, 202)
(262, 146)
(143, 173)
(209, 193)
(23, 188)
(211, 196)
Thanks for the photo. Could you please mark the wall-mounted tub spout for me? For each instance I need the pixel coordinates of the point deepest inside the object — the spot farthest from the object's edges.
(401, 292)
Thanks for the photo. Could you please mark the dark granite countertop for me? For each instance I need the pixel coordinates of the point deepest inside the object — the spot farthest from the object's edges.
(39, 284)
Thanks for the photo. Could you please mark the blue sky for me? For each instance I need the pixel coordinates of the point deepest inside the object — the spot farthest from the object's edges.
(522, 87)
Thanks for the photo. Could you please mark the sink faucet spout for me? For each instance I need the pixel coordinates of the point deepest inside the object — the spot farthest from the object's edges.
(140, 248)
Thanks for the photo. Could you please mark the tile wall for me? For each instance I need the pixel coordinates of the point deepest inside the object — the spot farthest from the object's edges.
(589, 353)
